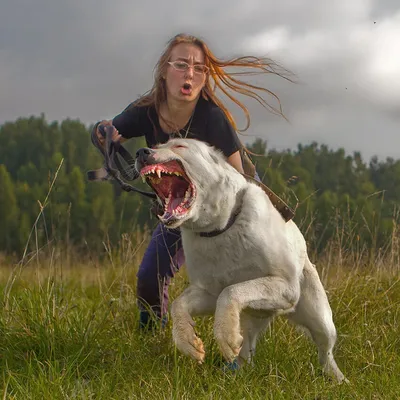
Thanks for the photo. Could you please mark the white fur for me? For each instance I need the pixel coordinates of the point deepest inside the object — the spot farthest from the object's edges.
(257, 269)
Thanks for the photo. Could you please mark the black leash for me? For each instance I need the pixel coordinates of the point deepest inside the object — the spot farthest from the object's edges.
(113, 168)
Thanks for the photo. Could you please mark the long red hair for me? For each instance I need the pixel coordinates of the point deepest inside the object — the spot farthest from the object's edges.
(218, 77)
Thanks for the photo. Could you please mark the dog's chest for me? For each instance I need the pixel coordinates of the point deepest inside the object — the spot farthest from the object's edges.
(214, 265)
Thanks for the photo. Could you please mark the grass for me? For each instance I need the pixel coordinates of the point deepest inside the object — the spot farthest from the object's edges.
(72, 333)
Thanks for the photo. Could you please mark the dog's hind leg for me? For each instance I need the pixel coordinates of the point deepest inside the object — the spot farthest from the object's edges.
(271, 294)
(313, 312)
(251, 328)
(194, 301)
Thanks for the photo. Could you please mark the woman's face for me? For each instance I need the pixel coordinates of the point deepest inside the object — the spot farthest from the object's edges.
(186, 77)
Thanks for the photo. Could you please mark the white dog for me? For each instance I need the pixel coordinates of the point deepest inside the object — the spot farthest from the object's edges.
(245, 263)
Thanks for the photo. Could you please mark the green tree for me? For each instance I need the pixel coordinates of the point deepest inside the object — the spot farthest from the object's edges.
(8, 210)
(75, 141)
(76, 199)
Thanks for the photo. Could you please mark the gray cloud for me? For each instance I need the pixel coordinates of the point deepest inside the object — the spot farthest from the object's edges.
(89, 59)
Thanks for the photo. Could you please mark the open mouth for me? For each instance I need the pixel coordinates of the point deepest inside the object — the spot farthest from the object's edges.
(186, 89)
(173, 188)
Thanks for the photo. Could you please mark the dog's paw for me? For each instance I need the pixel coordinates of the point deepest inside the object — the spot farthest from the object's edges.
(229, 342)
(336, 375)
(189, 343)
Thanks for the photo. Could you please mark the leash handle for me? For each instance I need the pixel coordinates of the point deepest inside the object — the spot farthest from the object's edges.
(112, 148)
(111, 152)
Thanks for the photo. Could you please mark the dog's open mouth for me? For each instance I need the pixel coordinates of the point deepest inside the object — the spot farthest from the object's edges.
(172, 186)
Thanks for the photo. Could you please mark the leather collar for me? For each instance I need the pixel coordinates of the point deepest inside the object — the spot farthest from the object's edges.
(231, 221)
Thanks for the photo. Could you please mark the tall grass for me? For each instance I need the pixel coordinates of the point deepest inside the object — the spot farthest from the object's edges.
(69, 330)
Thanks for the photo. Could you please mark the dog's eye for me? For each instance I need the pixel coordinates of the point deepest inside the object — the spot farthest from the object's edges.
(180, 146)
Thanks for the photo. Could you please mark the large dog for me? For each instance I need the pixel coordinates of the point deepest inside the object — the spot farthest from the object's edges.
(245, 264)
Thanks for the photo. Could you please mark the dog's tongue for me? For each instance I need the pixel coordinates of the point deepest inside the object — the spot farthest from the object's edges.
(174, 203)
(176, 194)
(168, 214)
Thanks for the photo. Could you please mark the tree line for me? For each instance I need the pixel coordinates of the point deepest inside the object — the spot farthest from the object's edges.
(46, 198)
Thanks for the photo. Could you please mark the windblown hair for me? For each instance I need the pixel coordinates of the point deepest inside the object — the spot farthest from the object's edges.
(218, 77)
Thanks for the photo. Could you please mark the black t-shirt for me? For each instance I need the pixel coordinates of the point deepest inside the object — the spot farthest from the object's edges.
(208, 124)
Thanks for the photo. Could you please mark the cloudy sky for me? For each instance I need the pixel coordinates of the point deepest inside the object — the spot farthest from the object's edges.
(88, 59)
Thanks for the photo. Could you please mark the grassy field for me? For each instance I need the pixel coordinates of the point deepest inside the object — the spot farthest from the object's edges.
(71, 332)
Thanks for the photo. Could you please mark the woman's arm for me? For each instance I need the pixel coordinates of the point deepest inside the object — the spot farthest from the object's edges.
(236, 161)
(222, 135)
(127, 124)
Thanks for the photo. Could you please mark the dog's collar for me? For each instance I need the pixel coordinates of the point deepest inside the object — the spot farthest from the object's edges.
(231, 221)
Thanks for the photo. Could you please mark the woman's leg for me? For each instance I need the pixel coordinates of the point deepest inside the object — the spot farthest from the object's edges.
(162, 259)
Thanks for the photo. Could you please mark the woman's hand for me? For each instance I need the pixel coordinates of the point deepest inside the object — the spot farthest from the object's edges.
(116, 137)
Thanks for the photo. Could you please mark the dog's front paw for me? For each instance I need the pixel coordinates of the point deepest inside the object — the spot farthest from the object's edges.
(229, 341)
(188, 342)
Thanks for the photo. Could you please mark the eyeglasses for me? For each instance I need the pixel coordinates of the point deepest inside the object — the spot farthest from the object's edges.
(184, 66)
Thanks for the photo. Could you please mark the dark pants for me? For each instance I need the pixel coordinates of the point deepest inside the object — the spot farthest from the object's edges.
(162, 259)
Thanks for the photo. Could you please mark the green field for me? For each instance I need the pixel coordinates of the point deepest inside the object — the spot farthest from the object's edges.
(69, 330)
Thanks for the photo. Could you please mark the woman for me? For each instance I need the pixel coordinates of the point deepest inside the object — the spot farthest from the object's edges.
(182, 102)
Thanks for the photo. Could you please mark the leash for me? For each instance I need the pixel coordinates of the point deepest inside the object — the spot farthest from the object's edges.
(286, 212)
(112, 167)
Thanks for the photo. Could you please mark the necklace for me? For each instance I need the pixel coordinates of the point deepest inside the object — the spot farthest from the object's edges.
(189, 125)
(177, 133)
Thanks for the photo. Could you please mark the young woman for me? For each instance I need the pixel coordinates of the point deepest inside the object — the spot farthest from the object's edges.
(183, 102)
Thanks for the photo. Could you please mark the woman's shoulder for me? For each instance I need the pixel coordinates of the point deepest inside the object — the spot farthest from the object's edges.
(138, 113)
(137, 107)
(133, 120)
(210, 110)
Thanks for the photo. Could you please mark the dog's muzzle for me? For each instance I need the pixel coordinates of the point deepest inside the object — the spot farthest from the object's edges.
(144, 156)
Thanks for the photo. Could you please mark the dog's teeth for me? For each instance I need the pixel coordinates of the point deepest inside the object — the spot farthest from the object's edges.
(187, 195)
(177, 211)
(158, 173)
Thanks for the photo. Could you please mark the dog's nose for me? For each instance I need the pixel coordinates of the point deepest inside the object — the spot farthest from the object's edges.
(143, 154)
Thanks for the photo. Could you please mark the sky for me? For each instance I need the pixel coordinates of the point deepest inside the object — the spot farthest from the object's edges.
(88, 59)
